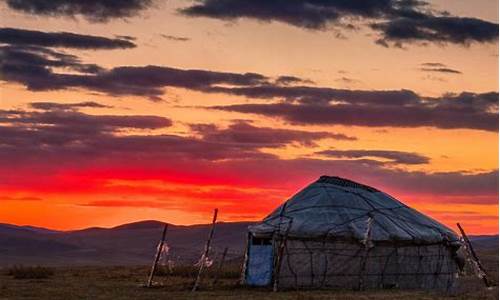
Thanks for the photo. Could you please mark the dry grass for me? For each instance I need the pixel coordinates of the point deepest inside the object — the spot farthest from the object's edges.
(128, 283)
(232, 271)
(29, 272)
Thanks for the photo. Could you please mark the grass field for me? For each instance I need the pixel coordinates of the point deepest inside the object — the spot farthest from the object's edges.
(127, 283)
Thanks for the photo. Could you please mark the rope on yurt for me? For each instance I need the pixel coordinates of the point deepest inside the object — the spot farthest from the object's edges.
(449, 282)
(438, 268)
(279, 258)
(311, 262)
(325, 264)
(381, 210)
(289, 264)
(418, 278)
(383, 273)
(398, 268)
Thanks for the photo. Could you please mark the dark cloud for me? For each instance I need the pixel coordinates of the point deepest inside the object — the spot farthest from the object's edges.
(466, 110)
(437, 29)
(397, 21)
(67, 106)
(398, 157)
(165, 147)
(245, 133)
(69, 138)
(321, 95)
(17, 36)
(363, 101)
(438, 67)
(155, 76)
(309, 14)
(347, 80)
(468, 102)
(390, 180)
(43, 145)
(126, 37)
(68, 133)
(62, 129)
(287, 80)
(62, 120)
(433, 64)
(38, 69)
(441, 70)
(175, 38)
(34, 68)
(93, 10)
(448, 182)
(150, 80)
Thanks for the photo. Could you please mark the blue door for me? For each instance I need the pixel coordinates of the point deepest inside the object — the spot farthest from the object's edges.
(260, 265)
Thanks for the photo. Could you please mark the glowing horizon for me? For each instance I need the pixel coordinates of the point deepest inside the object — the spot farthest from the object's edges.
(151, 112)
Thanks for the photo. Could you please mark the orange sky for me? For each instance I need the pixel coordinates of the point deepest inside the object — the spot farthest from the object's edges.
(60, 168)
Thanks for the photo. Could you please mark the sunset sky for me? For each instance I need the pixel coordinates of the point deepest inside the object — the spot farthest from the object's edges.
(120, 111)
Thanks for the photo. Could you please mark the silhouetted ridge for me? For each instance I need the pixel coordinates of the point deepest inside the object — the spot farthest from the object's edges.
(148, 224)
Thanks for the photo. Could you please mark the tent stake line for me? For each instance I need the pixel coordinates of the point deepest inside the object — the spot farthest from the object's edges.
(157, 256)
(219, 268)
(205, 252)
(481, 272)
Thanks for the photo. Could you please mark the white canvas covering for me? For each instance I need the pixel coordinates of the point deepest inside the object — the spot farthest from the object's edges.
(341, 234)
(339, 208)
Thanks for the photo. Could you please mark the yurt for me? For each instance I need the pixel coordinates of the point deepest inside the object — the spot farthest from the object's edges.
(337, 233)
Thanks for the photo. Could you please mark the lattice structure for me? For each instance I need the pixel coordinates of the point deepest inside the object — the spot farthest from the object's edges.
(308, 264)
(343, 234)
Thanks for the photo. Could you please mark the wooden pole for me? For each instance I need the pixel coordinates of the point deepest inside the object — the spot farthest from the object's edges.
(470, 250)
(245, 261)
(157, 256)
(368, 245)
(205, 252)
(219, 267)
(281, 249)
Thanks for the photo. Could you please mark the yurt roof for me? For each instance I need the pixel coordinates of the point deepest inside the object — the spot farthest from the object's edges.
(338, 208)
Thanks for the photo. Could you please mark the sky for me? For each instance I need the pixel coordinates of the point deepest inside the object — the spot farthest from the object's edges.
(119, 111)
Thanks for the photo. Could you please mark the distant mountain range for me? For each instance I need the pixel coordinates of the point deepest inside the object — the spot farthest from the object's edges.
(128, 244)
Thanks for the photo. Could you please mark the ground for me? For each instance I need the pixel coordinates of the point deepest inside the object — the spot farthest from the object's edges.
(128, 283)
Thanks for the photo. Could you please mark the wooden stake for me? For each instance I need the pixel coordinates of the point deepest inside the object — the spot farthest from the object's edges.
(281, 249)
(245, 261)
(205, 252)
(472, 253)
(368, 245)
(219, 268)
(157, 256)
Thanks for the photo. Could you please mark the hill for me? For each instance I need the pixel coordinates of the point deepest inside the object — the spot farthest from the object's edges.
(129, 244)
(485, 241)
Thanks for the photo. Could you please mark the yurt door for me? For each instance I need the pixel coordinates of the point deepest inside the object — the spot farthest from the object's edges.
(260, 262)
